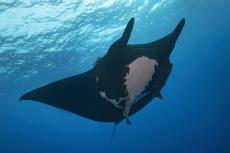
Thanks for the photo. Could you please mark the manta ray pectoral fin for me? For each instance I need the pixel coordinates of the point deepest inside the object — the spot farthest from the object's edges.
(126, 34)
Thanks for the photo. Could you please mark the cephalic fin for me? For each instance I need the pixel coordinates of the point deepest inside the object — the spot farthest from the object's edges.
(116, 47)
(126, 34)
(176, 32)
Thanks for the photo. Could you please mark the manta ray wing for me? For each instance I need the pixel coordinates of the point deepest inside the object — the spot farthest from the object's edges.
(77, 94)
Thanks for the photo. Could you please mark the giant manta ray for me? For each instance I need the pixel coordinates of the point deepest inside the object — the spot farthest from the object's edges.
(120, 84)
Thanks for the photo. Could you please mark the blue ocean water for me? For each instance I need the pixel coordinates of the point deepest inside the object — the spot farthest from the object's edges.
(45, 40)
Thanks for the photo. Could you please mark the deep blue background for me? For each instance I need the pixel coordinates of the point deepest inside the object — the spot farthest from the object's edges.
(194, 116)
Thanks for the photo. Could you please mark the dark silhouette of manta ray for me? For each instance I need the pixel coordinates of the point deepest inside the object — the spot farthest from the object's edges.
(120, 84)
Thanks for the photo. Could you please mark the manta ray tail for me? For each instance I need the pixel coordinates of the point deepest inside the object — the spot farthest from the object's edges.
(113, 133)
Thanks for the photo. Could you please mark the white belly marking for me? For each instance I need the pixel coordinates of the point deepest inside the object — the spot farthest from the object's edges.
(140, 74)
(113, 101)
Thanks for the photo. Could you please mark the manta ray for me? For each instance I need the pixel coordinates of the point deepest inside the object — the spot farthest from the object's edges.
(120, 84)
